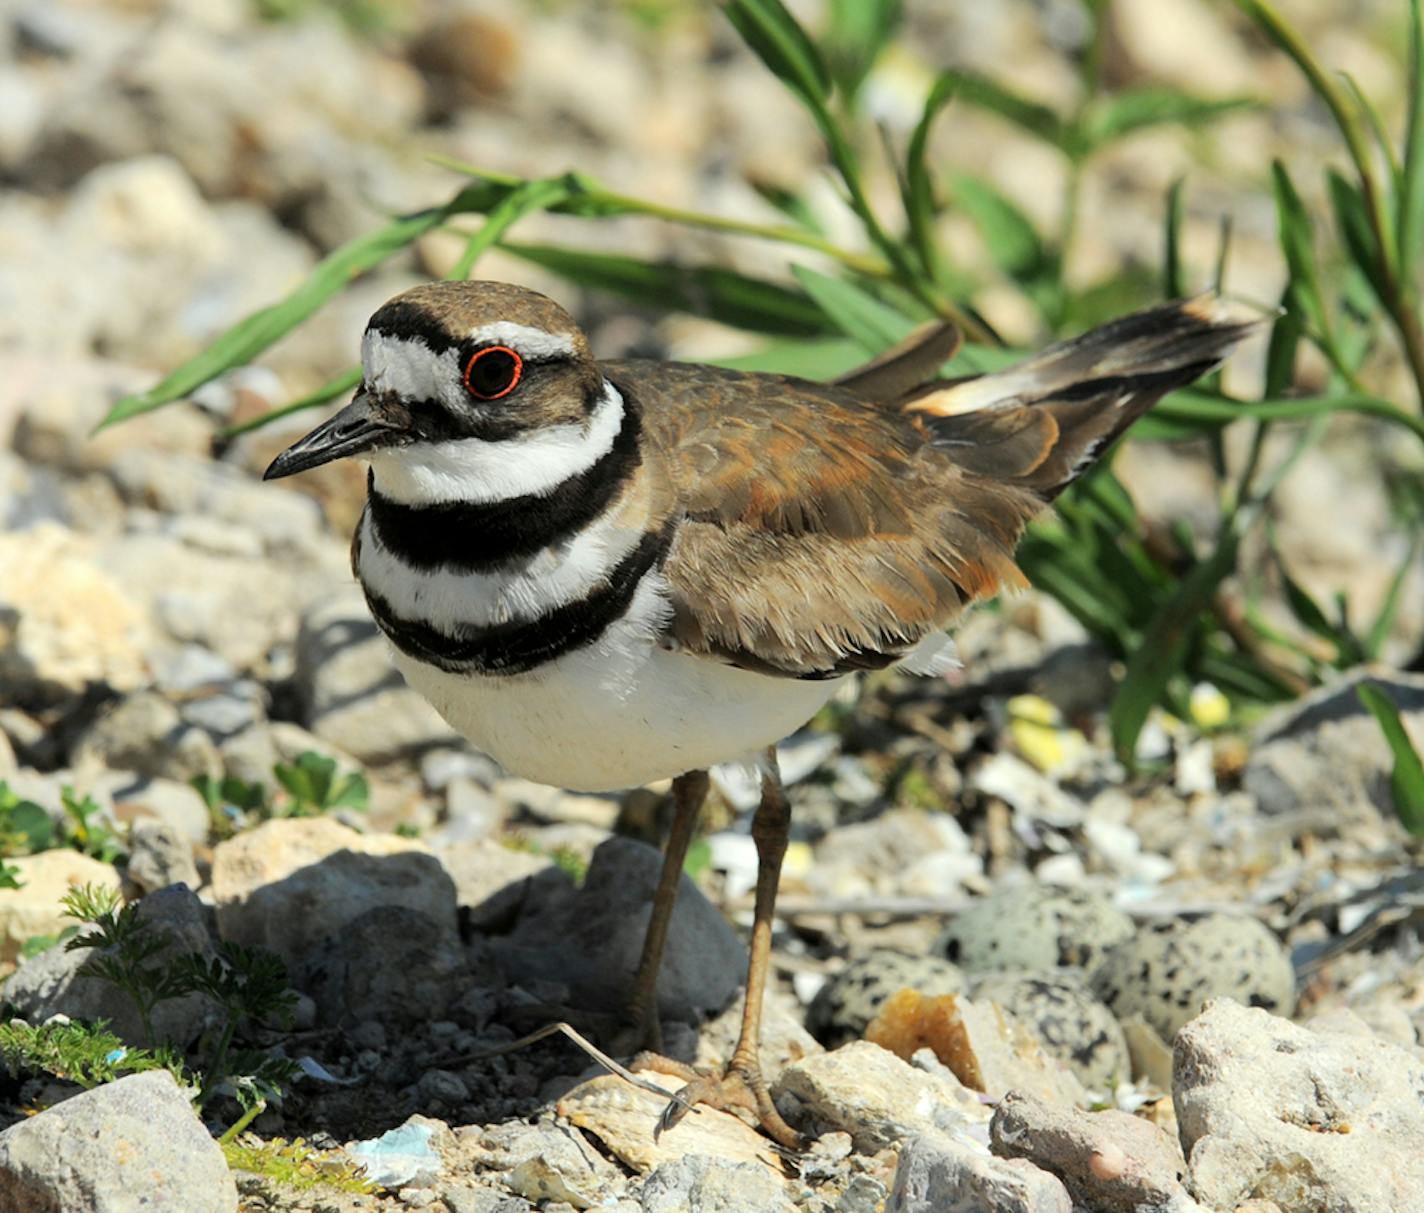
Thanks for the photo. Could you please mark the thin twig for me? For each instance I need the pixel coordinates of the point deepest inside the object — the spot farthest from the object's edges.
(568, 1030)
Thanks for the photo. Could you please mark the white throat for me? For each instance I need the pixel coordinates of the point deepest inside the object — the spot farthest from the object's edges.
(473, 470)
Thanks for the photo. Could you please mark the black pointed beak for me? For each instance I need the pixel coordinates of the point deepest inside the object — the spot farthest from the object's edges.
(355, 429)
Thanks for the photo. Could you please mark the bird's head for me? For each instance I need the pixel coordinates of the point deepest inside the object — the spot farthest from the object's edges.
(458, 380)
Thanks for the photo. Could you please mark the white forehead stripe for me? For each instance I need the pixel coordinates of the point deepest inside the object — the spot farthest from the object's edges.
(470, 469)
(523, 339)
(411, 370)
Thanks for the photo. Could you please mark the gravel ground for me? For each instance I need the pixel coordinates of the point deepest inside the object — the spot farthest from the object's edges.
(1009, 975)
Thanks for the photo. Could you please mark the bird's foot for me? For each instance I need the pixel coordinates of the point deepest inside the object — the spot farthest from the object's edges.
(740, 1088)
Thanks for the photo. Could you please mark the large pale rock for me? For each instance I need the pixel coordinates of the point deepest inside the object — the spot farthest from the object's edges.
(1325, 755)
(868, 1092)
(64, 623)
(290, 883)
(351, 693)
(1109, 1161)
(591, 938)
(1313, 1121)
(146, 734)
(34, 908)
(128, 1145)
(942, 1173)
(714, 1185)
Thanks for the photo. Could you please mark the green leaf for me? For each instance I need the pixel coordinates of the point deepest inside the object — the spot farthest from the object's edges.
(1164, 645)
(918, 188)
(1137, 109)
(1353, 219)
(856, 33)
(1172, 242)
(33, 824)
(860, 316)
(1406, 781)
(1029, 115)
(329, 391)
(708, 290)
(781, 44)
(790, 204)
(1409, 223)
(1286, 333)
(352, 793)
(1008, 235)
(822, 359)
(1297, 243)
(1389, 608)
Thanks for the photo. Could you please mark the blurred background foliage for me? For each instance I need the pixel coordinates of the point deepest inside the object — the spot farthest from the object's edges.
(1179, 607)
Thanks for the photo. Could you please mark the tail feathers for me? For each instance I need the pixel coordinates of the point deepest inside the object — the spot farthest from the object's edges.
(1042, 422)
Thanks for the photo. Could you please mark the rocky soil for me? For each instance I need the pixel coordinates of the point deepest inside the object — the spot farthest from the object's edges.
(1010, 976)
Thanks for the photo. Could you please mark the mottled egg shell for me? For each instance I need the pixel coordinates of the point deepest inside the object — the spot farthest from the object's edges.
(1171, 967)
(1067, 1017)
(1033, 928)
(846, 1004)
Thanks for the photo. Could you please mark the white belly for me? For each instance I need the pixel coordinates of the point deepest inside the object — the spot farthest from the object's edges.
(562, 724)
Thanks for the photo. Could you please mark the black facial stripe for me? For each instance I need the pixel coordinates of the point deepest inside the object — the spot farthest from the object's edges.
(523, 645)
(406, 322)
(476, 537)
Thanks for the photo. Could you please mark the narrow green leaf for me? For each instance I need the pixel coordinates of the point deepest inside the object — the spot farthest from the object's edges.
(1123, 113)
(856, 33)
(1353, 220)
(1008, 234)
(919, 185)
(708, 290)
(1031, 116)
(1297, 243)
(815, 359)
(1172, 242)
(780, 43)
(1286, 333)
(329, 391)
(1164, 645)
(30, 821)
(875, 325)
(1389, 608)
(1406, 782)
(1409, 223)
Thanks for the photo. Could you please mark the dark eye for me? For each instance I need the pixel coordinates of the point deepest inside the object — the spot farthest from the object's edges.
(493, 371)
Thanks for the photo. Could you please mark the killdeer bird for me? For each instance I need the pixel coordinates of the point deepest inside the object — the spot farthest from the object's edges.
(606, 573)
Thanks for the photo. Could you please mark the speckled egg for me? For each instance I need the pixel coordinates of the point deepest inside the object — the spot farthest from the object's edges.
(1033, 928)
(1067, 1017)
(1171, 967)
(846, 1004)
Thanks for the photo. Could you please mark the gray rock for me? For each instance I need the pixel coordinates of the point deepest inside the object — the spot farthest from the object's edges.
(845, 1005)
(290, 883)
(351, 694)
(549, 1162)
(53, 983)
(483, 1200)
(1313, 1121)
(392, 965)
(159, 857)
(128, 1145)
(1169, 969)
(177, 805)
(491, 879)
(146, 734)
(941, 1173)
(1109, 1161)
(1035, 927)
(1073, 1025)
(1325, 754)
(868, 1092)
(590, 938)
(696, 1183)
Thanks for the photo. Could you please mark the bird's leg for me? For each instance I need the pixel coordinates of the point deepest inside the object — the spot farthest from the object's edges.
(644, 1031)
(742, 1084)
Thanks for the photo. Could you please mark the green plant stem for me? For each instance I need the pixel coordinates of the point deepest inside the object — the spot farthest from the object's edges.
(241, 1123)
(596, 195)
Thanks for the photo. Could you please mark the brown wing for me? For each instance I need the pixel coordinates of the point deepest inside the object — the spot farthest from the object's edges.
(816, 533)
(905, 366)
